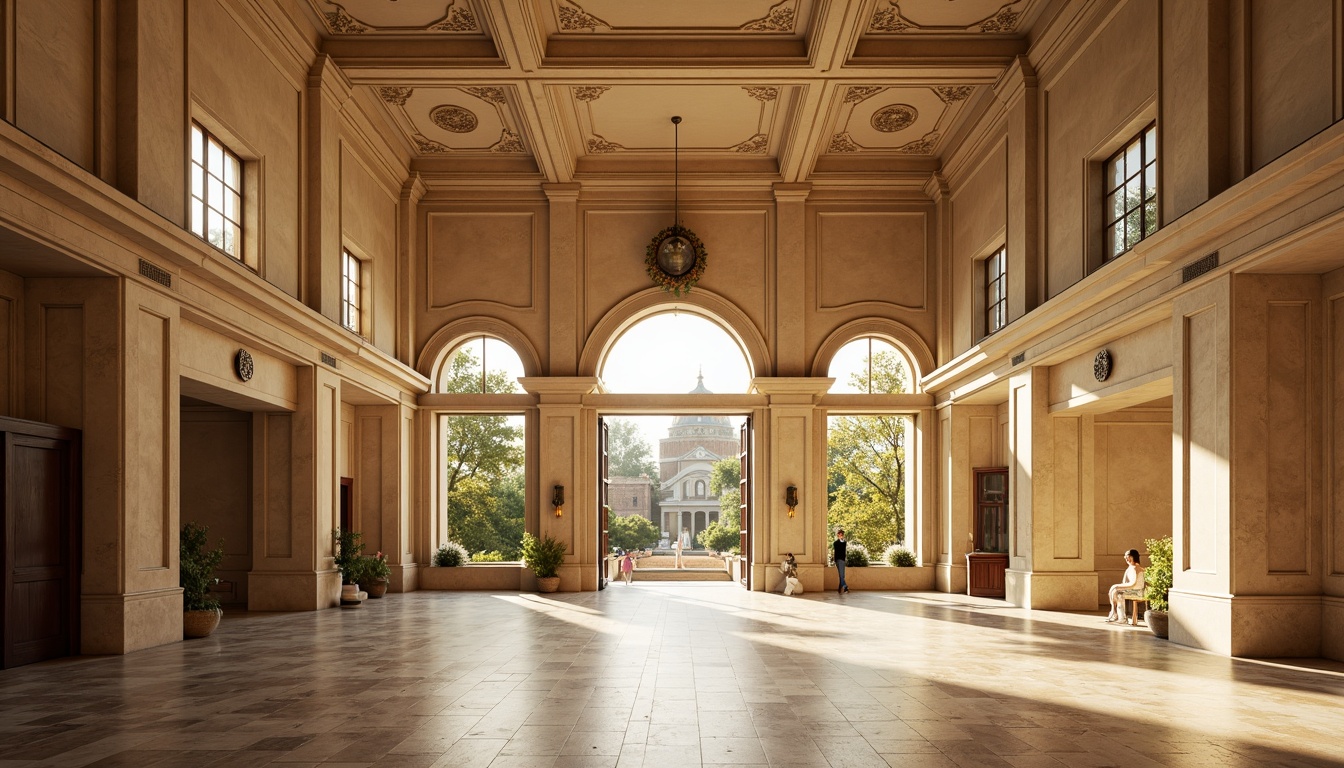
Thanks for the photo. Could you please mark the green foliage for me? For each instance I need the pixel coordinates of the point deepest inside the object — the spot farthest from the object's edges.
(464, 376)
(450, 555)
(487, 557)
(349, 547)
(856, 555)
(485, 516)
(631, 532)
(724, 479)
(544, 556)
(369, 568)
(866, 464)
(1157, 576)
(719, 537)
(628, 453)
(899, 557)
(196, 567)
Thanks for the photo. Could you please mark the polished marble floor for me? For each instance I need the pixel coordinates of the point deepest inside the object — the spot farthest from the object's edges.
(672, 675)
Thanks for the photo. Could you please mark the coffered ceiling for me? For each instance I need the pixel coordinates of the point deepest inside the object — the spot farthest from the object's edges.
(821, 91)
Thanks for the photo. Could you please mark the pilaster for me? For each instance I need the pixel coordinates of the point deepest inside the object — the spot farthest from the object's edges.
(565, 334)
(790, 276)
(1018, 90)
(408, 219)
(328, 90)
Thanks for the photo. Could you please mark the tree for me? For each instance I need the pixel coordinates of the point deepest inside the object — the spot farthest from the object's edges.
(487, 515)
(866, 465)
(628, 453)
(725, 482)
(719, 537)
(631, 532)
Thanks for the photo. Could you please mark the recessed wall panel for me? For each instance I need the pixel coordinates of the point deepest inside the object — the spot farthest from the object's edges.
(277, 482)
(1335, 441)
(147, 497)
(1205, 464)
(480, 257)
(1288, 502)
(871, 257)
(62, 361)
(1065, 511)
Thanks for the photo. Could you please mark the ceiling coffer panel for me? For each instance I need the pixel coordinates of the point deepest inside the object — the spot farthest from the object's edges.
(716, 119)
(943, 17)
(902, 120)
(373, 17)
(693, 17)
(480, 120)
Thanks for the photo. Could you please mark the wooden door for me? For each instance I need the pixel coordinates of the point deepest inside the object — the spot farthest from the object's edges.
(744, 510)
(41, 542)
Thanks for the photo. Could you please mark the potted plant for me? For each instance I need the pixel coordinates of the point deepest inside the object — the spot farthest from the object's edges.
(898, 556)
(450, 555)
(1157, 583)
(349, 548)
(544, 556)
(196, 572)
(377, 571)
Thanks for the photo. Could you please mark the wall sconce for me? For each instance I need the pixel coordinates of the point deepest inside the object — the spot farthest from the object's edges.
(791, 498)
(558, 500)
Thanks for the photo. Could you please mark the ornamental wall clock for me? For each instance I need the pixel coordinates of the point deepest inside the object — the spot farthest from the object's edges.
(242, 365)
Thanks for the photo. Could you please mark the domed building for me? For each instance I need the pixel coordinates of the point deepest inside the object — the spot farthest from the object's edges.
(685, 458)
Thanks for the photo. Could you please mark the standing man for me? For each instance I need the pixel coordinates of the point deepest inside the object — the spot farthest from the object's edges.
(838, 548)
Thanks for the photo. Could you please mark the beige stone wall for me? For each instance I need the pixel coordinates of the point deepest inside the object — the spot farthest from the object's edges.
(216, 472)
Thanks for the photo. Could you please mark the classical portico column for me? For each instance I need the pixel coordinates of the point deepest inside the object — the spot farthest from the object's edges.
(566, 455)
(790, 450)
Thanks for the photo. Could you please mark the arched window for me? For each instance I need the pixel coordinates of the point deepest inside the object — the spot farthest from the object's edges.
(481, 365)
(870, 366)
(664, 354)
(699, 489)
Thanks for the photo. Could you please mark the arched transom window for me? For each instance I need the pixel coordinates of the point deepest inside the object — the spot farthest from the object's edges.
(870, 366)
(481, 365)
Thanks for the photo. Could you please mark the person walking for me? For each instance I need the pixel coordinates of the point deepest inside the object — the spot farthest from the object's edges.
(676, 550)
(628, 568)
(838, 548)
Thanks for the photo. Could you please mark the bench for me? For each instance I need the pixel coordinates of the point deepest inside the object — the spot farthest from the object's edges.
(1134, 612)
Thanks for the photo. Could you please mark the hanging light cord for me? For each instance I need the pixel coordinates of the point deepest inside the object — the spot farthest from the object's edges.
(676, 174)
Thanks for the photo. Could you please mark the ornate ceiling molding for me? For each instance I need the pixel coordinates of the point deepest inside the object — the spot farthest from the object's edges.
(340, 21)
(491, 94)
(509, 143)
(894, 117)
(590, 92)
(598, 145)
(756, 145)
(858, 93)
(573, 18)
(922, 146)
(890, 19)
(451, 117)
(780, 18)
(951, 93)
(395, 95)
(762, 93)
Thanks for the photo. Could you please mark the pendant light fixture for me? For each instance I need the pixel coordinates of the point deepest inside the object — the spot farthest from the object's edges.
(676, 257)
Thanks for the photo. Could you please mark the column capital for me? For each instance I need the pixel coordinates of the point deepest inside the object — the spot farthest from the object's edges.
(789, 390)
(791, 192)
(560, 390)
(330, 80)
(557, 191)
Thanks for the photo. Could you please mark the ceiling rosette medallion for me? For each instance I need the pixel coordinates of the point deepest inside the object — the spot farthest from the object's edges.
(889, 17)
(457, 121)
(358, 17)
(893, 118)
(453, 118)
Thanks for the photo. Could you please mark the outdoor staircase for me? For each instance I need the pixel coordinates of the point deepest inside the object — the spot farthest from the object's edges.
(681, 574)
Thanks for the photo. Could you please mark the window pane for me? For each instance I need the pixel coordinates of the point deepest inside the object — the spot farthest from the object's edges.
(214, 193)
(233, 239)
(1150, 182)
(214, 228)
(233, 206)
(1133, 159)
(214, 157)
(1149, 217)
(1115, 171)
(197, 144)
(1133, 228)
(197, 181)
(1115, 207)
(197, 218)
(1115, 238)
(232, 173)
(1150, 143)
(1133, 193)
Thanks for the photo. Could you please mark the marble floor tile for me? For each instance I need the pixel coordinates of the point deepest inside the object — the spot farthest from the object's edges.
(672, 675)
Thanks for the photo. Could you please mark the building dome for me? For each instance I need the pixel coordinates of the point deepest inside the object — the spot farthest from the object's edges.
(700, 420)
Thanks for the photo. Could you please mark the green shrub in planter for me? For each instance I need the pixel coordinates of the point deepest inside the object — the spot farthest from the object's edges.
(1157, 576)
(349, 547)
(899, 556)
(544, 556)
(450, 555)
(196, 568)
(856, 555)
(488, 557)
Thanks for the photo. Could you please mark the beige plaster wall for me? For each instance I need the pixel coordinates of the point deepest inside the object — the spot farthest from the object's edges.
(980, 212)
(207, 356)
(1140, 371)
(55, 72)
(1090, 104)
(261, 122)
(368, 220)
(1291, 53)
(216, 472)
(1131, 476)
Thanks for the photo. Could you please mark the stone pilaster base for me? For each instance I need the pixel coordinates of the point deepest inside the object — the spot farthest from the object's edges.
(1253, 626)
(125, 623)
(1052, 590)
(1332, 628)
(950, 577)
(293, 590)
(405, 578)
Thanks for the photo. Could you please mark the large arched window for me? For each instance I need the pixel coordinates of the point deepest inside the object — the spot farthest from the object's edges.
(664, 354)
(869, 466)
(870, 366)
(481, 365)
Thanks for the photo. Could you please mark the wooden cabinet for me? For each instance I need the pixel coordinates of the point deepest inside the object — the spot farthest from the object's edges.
(985, 567)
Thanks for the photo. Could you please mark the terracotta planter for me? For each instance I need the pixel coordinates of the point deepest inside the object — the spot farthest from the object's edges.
(1156, 621)
(548, 583)
(378, 588)
(200, 623)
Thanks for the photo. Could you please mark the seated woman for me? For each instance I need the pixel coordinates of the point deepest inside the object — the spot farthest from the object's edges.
(1131, 587)
(789, 567)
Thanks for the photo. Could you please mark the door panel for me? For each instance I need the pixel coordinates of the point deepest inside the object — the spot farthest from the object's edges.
(745, 510)
(603, 506)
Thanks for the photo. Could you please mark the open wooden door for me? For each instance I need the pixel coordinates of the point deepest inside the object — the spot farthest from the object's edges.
(744, 487)
(603, 507)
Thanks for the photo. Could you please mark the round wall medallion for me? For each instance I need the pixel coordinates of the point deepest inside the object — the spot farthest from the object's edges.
(1101, 365)
(453, 118)
(896, 117)
(242, 364)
